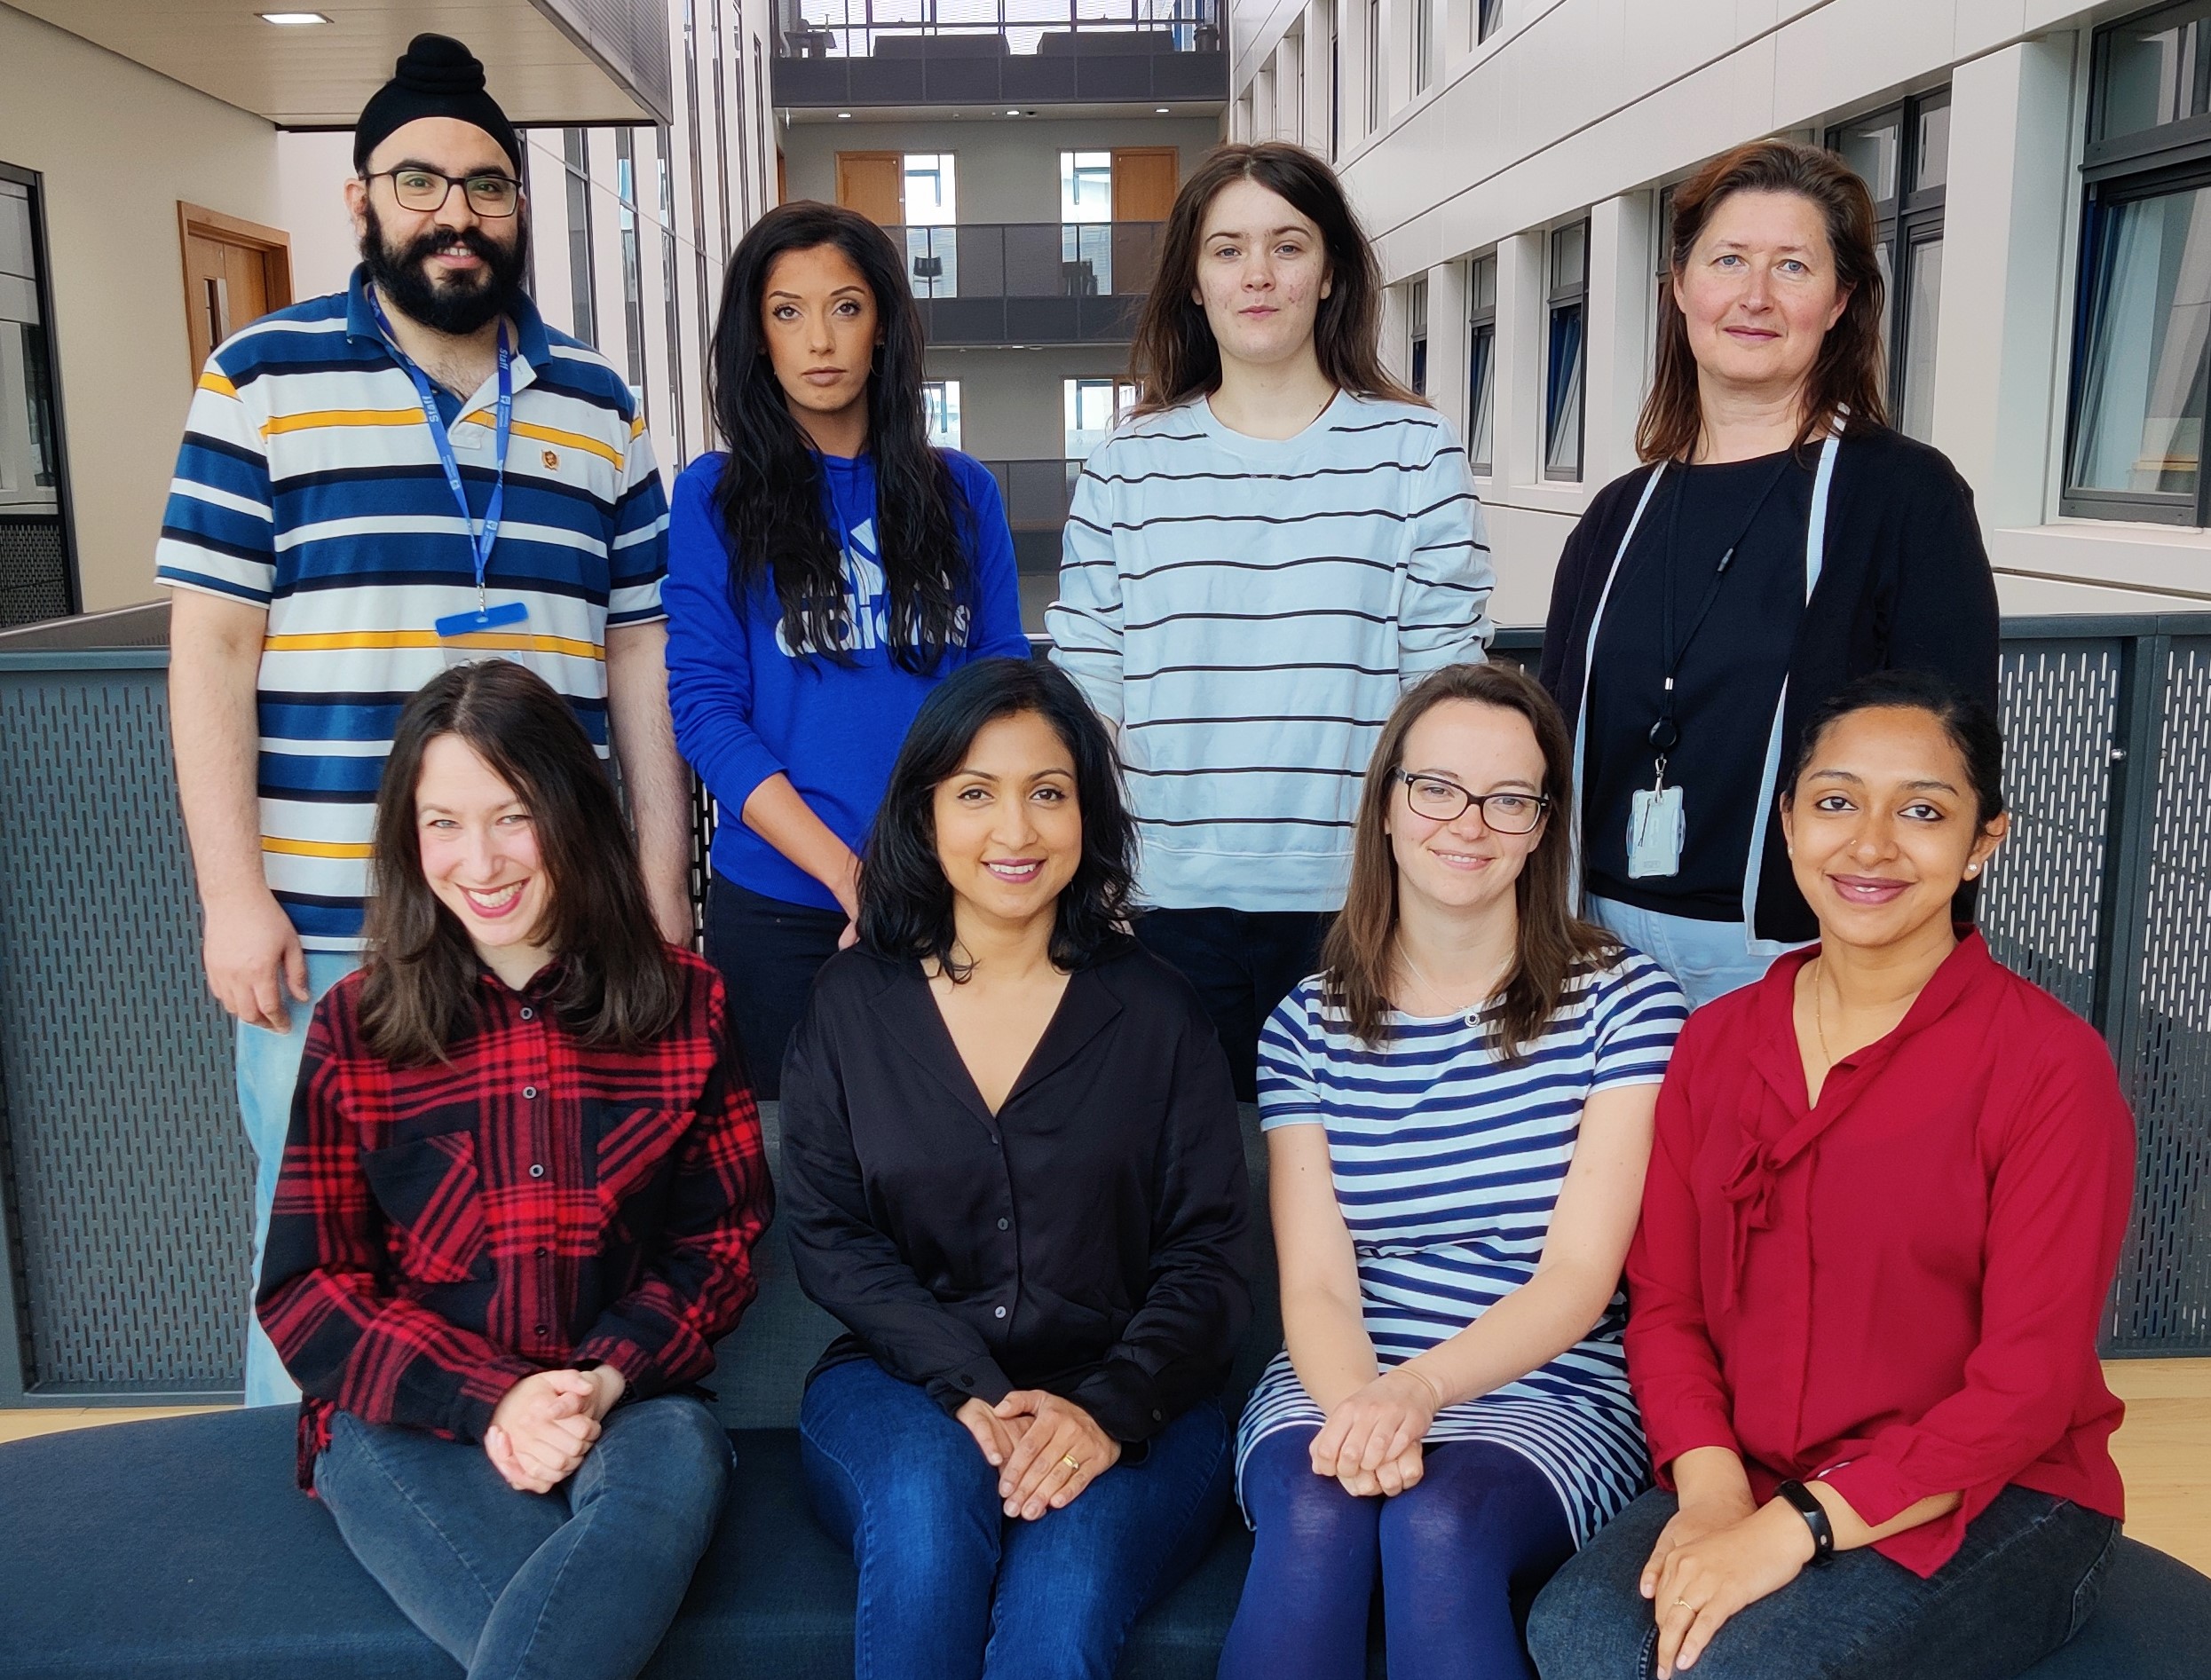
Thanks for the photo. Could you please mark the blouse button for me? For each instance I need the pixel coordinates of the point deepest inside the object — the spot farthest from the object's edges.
(1003, 1223)
(998, 1312)
(537, 1171)
(529, 1091)
(529, 1014)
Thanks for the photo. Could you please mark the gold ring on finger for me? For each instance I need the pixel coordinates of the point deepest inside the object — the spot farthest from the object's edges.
(1071, 1461)
(1685, 1604)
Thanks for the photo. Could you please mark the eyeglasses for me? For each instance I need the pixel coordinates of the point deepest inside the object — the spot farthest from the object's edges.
(493, 196)
(1443, 801)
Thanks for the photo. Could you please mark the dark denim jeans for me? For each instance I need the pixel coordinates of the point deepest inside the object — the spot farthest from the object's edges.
(768, 953)
(1243, 963)
(951, 1588)
(577, 1584)
(2024, 1582)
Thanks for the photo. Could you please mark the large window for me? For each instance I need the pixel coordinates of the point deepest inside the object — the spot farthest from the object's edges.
(1488, 15)
(633, 263)
(1481, 364)
(940, 401)
(929, 207)
(36, 579)
(1417, 334)
(1563, 354)
(1375, 105)
(2136, 444)
(674, 324)
(1903, 157)
(583, 294)
(1093, 407)
(1086, 223)
(1423, 45)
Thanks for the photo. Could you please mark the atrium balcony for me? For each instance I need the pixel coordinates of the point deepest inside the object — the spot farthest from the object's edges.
(921, 56)
(1019, 283)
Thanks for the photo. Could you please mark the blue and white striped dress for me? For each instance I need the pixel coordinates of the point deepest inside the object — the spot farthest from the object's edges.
(1446, 1164)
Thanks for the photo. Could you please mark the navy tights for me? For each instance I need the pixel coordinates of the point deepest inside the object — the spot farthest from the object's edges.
(1480, 1528)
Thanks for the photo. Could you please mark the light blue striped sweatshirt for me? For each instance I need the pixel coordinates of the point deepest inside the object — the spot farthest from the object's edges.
(1247, 610)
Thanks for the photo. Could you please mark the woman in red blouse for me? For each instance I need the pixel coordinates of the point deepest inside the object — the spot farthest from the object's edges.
(1883, 1209)
(517, 1207)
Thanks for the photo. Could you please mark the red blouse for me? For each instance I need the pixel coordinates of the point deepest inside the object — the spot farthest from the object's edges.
(1897, 1291)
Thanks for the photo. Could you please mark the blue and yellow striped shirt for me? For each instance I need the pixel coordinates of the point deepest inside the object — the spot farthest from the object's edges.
(309, 484)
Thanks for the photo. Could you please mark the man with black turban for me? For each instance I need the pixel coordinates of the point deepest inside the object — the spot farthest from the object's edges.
(374, 484)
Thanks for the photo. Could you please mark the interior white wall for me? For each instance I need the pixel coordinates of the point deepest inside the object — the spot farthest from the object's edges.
(117, 147)
(1584, 107)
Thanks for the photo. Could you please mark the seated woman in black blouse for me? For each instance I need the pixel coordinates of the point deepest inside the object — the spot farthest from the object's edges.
(1011, 1167)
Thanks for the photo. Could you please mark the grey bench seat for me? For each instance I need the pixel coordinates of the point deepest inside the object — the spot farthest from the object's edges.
(180, 1550)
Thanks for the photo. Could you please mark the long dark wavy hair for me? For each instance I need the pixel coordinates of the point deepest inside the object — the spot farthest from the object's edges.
(1555, 944)
(618, 986)
(906, 901)
(770, 495)
(1174, 356)
(1851, 371)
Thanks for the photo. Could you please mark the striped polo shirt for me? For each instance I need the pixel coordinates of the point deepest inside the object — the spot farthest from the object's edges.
(309, 484)
(1248, 610)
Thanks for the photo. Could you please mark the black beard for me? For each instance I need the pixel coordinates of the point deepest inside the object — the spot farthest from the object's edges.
(456, 306)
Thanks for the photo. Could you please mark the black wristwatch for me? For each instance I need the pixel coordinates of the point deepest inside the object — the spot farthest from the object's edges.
(1815, 1516)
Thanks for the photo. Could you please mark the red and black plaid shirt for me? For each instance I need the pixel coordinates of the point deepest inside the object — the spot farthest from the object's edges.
(534, 1202)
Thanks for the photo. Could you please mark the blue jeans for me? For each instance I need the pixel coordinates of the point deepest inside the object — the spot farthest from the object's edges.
(951, 1588)
(1707, 960)
(268, 1069)
(1481, 1527)
(577, 1584)
(2024, 1582)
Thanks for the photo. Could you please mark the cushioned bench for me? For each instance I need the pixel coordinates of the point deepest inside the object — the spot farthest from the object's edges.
(180, 1550)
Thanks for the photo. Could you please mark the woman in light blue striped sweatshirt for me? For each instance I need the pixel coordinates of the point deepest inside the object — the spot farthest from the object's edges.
(1277, 542)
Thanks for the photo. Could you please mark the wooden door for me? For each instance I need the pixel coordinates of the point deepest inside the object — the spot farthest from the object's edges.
(235, 272)
(1144, 182)
(874, 183)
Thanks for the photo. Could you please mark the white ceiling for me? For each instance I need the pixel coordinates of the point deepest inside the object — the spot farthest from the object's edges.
(320, 76)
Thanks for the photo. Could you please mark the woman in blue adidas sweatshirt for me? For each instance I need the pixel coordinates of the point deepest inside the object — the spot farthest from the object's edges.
(823, 575)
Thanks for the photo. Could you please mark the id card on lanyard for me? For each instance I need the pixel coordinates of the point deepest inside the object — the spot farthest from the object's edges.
(1815, 558)
(466, 636)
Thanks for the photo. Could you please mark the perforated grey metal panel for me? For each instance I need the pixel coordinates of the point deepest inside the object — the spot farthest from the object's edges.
(630, 37)
(2164, 1297)
(132, 1177)
(2040, 911)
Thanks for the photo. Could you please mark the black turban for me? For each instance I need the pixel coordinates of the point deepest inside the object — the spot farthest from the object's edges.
(435, 76)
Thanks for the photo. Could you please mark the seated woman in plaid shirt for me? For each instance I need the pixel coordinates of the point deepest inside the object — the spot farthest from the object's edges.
(518, 1206)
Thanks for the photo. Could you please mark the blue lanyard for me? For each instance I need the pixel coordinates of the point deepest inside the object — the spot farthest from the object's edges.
(503, 429)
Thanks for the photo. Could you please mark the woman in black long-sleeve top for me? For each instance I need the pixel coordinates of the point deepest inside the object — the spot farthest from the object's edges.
(1011, 1169)
(1780, 540)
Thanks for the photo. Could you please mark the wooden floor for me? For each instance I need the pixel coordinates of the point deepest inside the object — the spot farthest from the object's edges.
(2164, 1449)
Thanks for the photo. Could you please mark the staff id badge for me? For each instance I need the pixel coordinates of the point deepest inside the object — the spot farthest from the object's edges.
(1656, 828)
(488, 633)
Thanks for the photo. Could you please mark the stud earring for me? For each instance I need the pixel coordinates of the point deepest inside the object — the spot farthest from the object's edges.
(1973, 869)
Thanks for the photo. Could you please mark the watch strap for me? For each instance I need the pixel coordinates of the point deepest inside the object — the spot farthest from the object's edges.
(1815, 1516)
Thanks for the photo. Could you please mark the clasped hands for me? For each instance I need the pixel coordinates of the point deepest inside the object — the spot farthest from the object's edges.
(1045, 1449)
(1718, 1556)
(1371, 1441)
(546, 1422)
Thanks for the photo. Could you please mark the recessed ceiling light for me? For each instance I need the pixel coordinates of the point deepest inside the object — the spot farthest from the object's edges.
(293, 19)
(844, 116)
(1163, 110)
(1012, 113)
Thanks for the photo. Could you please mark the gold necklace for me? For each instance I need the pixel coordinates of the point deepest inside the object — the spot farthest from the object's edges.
(1819, 1011)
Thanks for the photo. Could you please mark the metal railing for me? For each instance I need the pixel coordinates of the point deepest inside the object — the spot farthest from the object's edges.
(125, 1179)
(1030, 259)
(987, 28)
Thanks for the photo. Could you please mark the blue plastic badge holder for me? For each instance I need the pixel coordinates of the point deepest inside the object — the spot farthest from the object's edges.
(466, 637)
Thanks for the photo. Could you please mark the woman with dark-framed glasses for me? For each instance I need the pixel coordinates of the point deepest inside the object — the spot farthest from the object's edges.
(1458, 1111)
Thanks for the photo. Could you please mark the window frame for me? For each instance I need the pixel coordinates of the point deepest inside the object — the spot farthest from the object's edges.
(1905, 223)
(1560, 295)
(583, 282)
(1417, 334)
(1481, 341)
(33, 182)
(1488, 19)
(2153, 162)
(1423, 46)
(1377, 29)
